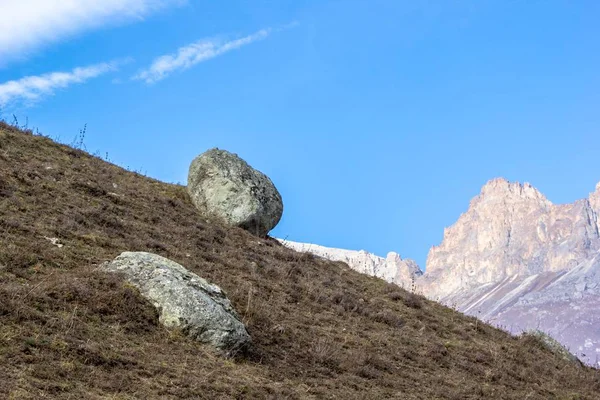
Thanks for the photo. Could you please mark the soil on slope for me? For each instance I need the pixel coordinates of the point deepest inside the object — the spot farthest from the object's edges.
(320, 330)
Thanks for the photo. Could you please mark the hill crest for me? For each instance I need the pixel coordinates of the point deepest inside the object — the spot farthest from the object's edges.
(320, 329)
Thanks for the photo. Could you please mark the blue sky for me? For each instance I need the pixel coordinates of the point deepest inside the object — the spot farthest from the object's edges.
(377, 120)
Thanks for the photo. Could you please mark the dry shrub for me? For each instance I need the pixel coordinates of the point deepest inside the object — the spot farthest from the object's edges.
(413, 300)
(326, 352)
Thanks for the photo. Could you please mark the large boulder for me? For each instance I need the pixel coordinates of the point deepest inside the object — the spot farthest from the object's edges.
(183, 299)
(223, 185)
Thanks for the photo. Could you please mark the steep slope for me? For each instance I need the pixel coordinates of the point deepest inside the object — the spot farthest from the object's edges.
(320, 329)
(518, 260)
(392, 269)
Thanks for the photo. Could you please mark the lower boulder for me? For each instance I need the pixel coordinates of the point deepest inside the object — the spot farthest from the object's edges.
(183, 299)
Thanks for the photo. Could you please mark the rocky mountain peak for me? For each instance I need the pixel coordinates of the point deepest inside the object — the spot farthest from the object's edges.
(511, 229)
(517, 259)
(504, 190)
(392, 268)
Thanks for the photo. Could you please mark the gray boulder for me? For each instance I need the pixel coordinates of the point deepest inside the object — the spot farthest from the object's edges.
(183, 299)
(223, 185)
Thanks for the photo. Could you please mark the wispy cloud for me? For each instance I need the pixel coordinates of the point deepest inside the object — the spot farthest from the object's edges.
(195, 53)
(33, 88)
(29, 24)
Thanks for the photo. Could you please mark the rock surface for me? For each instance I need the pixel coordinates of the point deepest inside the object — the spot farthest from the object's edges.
(224, 186)
(518, 261)
(183, 299)
(392, 269)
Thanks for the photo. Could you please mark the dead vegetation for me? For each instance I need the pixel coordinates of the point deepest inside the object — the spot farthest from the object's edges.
(320, 330)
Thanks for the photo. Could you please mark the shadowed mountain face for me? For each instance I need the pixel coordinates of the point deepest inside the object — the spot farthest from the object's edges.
(519, 261)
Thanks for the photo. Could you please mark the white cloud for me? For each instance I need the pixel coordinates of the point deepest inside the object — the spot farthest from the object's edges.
(32, 88)
(29, 24)
(193, 54)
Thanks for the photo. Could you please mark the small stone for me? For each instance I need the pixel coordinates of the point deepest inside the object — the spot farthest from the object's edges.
(54, 241)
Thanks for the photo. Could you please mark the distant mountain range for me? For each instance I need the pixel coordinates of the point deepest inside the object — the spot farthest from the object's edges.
(394, 269)
(513, 259)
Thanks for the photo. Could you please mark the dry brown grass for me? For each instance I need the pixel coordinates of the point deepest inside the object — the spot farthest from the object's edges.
(320, 330)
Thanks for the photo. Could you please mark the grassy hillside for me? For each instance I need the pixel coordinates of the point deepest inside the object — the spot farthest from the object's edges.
(320, 330)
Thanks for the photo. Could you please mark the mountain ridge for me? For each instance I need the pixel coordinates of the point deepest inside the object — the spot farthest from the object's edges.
(392, 268)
